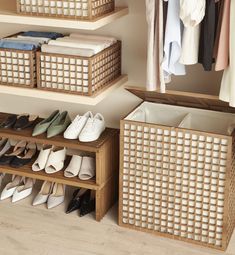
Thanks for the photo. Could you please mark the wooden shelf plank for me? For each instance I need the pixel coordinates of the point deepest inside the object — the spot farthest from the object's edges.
(58, 177)
(9, 15)
(64, 97)
(57, 140)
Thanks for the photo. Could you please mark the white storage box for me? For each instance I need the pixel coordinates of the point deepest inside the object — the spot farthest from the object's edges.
(177, 175)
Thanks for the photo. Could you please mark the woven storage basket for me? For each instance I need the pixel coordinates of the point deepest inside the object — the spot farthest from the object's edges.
(18, 68)
(79, 75)
(176, 181)
(74, 9)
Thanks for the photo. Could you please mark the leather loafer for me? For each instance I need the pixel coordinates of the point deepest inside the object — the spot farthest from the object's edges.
(25, 121)
(9, 121)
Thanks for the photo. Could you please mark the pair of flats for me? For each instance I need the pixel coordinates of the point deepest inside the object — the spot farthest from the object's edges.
(86, 128)
(54, 125)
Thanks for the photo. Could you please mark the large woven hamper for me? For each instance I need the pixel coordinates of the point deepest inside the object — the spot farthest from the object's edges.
(18, 68)
(85, 76)
(177, 168)
(73, 9)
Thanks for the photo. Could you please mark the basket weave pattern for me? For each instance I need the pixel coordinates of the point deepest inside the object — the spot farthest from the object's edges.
(231, 194)
(78, 9)
(174, 182)
(79, 75)
(18, 68)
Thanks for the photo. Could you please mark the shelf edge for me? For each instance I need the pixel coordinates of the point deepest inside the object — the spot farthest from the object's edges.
(14, 18)
(63, 97)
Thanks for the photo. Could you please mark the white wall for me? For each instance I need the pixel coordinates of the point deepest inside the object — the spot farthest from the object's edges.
(132, 30)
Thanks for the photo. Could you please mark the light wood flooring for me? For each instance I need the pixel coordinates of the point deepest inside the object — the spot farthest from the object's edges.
(31, 230)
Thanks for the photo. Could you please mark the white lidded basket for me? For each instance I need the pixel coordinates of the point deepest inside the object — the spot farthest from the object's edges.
(177, 175)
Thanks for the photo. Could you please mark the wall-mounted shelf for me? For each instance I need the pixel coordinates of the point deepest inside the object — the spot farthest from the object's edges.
(63, 97)
(8, 15)
(105, 151)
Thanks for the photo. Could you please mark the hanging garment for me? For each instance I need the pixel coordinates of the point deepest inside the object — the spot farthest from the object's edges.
(159, 33)
(222, 54)
(208, 34)
(154, 17)
(227, 90)
(172, 44)
(191, 13)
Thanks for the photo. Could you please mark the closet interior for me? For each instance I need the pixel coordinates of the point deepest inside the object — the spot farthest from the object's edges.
(176, 153)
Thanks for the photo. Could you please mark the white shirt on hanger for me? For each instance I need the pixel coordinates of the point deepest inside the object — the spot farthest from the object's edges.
(172, 44)
(191, 13)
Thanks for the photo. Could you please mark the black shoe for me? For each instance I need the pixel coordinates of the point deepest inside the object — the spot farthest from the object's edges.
(75, 203)
(88, 204)
(26, 157)
(9, 121)
(25, 121)
(12, 153)
(6, 159)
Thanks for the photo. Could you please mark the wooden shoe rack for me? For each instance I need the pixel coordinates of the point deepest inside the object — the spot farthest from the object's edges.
(105, 150)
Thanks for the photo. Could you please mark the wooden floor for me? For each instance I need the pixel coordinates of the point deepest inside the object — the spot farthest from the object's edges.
(37, 231)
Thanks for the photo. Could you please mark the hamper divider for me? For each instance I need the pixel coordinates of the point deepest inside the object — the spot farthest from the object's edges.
(186, 121)
(208, 122)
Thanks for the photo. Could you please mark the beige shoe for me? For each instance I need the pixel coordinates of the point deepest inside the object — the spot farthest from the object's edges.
(57, 196)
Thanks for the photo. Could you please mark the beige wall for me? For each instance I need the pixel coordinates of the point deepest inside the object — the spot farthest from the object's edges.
(132, 30)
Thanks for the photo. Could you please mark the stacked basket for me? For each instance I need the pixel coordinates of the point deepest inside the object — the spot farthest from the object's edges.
(75, 9)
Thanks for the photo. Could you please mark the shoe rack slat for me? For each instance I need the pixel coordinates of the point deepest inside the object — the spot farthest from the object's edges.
(106, 151)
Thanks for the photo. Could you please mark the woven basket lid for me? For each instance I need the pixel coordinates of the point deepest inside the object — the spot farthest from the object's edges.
(187, 99)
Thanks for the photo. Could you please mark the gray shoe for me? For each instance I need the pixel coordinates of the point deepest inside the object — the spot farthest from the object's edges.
(59, 125)
(42, 127)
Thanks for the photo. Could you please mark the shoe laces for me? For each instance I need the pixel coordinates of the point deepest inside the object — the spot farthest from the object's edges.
(90, 123)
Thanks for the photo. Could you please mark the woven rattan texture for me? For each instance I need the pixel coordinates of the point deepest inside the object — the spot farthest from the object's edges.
(231, 204)
(84, 76)
(80, 9)
(173, 182)
(18, 68)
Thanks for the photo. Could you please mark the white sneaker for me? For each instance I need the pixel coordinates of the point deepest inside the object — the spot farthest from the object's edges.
(57, 196)
(10, 188)
(56, 160)
(93, 129)
(74, 167)
(75, 128)
(41, 161)
(24, 190)
(44, 193)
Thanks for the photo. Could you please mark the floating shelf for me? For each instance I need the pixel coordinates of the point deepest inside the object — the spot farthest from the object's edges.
(64, 97)
(106, 153)
(9, 15)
